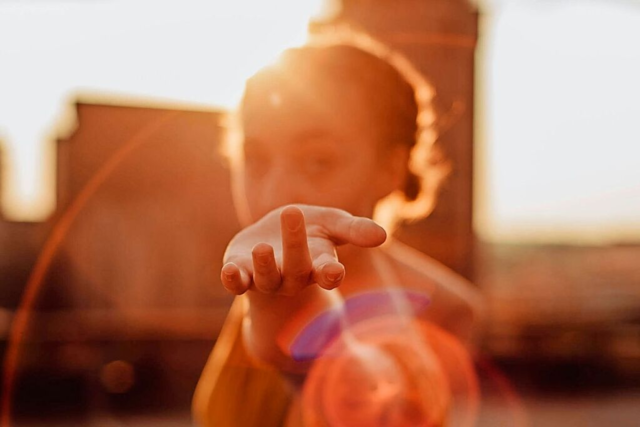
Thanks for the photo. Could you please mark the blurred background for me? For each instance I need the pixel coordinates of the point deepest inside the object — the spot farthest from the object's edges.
(115, 206)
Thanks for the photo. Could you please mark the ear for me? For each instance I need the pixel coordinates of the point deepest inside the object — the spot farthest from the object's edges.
(393, 169)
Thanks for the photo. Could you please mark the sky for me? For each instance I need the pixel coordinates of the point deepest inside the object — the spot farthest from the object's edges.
(192, 53)
(559, 145)
(557, 138)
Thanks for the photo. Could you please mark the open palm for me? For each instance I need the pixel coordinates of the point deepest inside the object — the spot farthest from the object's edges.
(293, 247)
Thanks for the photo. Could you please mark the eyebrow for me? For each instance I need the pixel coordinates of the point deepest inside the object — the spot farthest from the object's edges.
(303, 136)
(312, 134)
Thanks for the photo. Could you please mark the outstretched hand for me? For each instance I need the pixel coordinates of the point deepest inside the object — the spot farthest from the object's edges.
(294, 247)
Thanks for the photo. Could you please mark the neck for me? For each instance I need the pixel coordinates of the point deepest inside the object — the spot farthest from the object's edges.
(352, 256)
(359, 267)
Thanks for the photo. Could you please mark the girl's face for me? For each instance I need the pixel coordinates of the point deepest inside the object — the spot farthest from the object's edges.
(295, 151)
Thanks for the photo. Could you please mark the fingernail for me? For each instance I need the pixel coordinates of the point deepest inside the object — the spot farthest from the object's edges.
(294, 223)
(228, 271)
(335, 277)
(262, 259)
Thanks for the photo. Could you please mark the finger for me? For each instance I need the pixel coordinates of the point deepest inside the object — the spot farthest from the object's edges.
(342, 227)
(235, 279)
(266, 276)
(327, 272)
(296, 261)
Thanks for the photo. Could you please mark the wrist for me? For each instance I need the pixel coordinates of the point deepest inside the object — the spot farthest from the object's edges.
(271, 320)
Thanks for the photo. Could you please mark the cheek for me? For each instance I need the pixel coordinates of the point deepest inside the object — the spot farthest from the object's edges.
(350, 188)
(255, 198)
(239, 196)
(264, 192)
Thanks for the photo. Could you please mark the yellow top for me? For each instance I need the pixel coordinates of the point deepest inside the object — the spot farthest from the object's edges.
(234, 390)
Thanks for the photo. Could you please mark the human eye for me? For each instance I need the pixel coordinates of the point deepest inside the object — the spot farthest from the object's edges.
(319, 163)
(255, 162)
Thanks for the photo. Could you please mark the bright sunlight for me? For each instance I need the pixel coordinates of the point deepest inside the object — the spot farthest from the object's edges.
(190, 54)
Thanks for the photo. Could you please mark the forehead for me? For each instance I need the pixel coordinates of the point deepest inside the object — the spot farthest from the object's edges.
(285, 105)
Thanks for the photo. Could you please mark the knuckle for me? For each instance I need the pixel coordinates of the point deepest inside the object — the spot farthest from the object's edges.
(296, 244)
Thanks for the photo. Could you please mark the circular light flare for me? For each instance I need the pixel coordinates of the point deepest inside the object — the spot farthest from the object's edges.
(436, 376)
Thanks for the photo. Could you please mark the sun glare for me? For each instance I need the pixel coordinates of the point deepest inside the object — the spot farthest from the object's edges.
(29, 171)
(558, 111)
(193, 54)
(559, 162)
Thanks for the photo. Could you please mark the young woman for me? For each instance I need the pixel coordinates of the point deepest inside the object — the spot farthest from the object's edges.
(329, 137)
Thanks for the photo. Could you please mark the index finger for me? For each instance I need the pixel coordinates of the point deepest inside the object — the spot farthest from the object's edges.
(296, 260)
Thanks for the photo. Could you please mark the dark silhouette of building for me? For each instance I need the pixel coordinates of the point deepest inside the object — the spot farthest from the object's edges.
(143, 216)
(439, 37)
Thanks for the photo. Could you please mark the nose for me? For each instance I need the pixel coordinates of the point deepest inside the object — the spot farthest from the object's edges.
(279, 187)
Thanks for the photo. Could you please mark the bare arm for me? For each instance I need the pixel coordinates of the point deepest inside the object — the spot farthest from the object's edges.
(458, 306)
(278, 260)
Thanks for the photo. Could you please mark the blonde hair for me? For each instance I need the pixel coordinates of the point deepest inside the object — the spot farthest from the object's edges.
(410, 97)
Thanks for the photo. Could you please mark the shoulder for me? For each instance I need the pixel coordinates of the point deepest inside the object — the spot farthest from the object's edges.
(456, 304)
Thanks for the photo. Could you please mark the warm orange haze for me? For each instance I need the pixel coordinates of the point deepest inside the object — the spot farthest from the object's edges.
(600, 194)
(319, 213)
(222, 45)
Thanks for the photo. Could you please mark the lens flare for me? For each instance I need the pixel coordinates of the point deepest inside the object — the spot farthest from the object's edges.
(382, 374)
